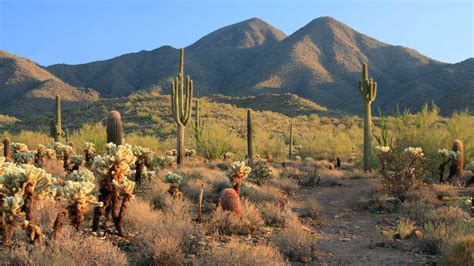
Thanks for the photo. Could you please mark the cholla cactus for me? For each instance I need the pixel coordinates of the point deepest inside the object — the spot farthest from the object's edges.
(78, 191)
(470, 166)
(144, 159)
(89, 151)
(112, 171)
(164, 161)
(174, 180)
(25, 157)
(18, 147)
(76, 161)
(189, 153)
(415, 152)
(381, 150)
(238, 171)
(20, 186)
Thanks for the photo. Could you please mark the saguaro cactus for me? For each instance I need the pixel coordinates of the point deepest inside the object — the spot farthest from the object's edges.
(6, 149)
(56, 126)
(290, 148)
(197, 125)
(181, 106)
(368, 89)
(249, 136)
(114, 128)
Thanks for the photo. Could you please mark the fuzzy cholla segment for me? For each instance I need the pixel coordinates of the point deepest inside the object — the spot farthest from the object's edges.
(238, 170)
(447, 154)
(118, 157)
(89, 147)
(172, 178)
(79, 189)
(381, 150)
(415, 152)
(15, 178)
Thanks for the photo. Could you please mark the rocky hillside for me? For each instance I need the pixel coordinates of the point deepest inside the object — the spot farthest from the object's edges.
(28, 88)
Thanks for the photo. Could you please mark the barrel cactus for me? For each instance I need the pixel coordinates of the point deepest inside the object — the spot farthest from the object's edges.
(230, 199)
(114, 128)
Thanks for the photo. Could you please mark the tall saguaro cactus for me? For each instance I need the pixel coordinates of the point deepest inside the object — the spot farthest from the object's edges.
(56, 127)
(198, 124)
(249, 136)
(114, 128)
(368, 89)
(290, 149)
(181, 105)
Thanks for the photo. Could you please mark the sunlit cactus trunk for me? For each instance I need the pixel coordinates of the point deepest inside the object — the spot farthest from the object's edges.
(114, 128)
(290, 145)
(56, 126)
(249, 136)
(6, 149)
(368, 90)
(181, 105)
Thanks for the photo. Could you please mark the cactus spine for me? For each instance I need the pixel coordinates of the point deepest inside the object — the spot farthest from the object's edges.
(6, 149)
(249, 136)
(368, 89)
(114, 128)
(181, 106)
(290, 148)
(56, 127)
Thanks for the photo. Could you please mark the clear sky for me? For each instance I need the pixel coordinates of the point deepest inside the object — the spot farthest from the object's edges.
(73, 31)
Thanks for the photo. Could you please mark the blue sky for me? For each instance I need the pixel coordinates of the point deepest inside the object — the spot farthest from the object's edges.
(73, 31)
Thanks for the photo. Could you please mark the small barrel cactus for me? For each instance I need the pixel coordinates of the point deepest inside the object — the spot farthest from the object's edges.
(6, 149)
(458, 165)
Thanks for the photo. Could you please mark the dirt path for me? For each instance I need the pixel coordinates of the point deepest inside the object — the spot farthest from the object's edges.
(348, 235)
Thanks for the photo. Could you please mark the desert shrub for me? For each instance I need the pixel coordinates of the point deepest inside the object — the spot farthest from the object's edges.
(67, 248)
(402, 170)
(293, 241)
(162, 237)
(261, 172)
(226, 222)
(461, 252)
(312, 207)
(275, 215)
(242, 254)
(148, 141)
(286, 184)
(94, 133)
(437, 237)
(214, 141)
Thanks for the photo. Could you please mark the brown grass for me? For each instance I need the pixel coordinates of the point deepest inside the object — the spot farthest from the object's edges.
(235, 253)
(228, 223)
(276, 216)
(293, 241)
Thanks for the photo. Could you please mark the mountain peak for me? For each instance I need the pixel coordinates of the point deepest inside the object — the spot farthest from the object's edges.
(249, 33)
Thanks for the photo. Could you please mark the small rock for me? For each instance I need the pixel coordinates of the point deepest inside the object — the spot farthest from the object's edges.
(344, 239)
(417, 234)
(304, 259)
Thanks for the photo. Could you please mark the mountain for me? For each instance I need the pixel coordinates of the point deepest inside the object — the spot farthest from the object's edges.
(27, 87)
(320, 62)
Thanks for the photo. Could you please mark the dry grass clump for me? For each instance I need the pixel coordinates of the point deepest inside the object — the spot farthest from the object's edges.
(417, 210)
(444, 190)
(69, 248)
(293, 241)
(156, 193)
(277, 216)
(259, 194)
(54, 167)
(288, 185)
(424, 194)
(235, 253)
(228, 223)
(447, 215)
(462, 252)
(162, 237)
(405, 228)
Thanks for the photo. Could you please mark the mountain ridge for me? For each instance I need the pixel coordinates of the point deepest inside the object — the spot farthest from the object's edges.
(320, 61)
